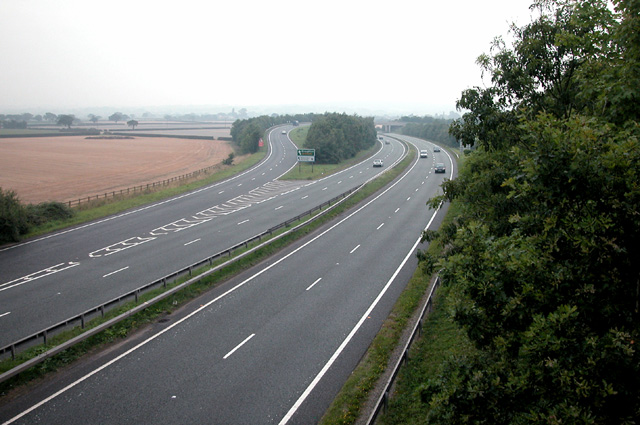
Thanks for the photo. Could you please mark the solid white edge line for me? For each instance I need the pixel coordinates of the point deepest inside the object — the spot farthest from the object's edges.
(358, 325)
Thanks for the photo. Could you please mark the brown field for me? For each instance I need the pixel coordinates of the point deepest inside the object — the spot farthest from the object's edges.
(42, 169)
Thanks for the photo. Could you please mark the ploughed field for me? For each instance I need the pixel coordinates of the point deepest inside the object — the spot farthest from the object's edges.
(65, 168)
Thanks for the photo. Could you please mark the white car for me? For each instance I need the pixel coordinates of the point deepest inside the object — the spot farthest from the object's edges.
(284, 132)
(378, 163)
(424, 153)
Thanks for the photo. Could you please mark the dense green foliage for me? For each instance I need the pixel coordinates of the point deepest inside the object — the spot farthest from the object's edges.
(16, 219)
(246, 133)
(544, 256)
(337, 137)
(429, 128)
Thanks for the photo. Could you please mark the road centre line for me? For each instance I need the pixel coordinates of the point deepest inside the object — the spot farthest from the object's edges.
(397, 209)
(5, 314)
(278, 207)
(354, 249)
(242, 222)
(193, 241)
(238, 346)
(305, 197)
(224, 294)
(378, 228)
(117, 271)
(314, 283)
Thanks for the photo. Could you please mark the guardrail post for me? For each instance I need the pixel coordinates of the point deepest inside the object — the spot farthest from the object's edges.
(164, 282)
(136, 294)
(44, 337)
(13, 352)
(385, 401)
(190, 270)
(102, 310)
(82, 321)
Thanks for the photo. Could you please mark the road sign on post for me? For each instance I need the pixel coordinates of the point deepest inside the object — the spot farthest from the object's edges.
(306, 155)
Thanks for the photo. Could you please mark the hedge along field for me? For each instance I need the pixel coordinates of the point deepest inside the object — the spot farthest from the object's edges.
(41, 169)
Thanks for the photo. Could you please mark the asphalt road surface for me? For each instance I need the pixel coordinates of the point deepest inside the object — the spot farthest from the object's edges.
(273, 345)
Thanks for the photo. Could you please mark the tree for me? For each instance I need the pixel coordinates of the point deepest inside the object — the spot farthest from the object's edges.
(117, 116)
(132, 123)
(543, 256)
(94, 118)
(50, 117)
(66, 120)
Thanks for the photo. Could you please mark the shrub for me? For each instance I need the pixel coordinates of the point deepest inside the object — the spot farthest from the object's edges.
(13, 217)
(48, 211)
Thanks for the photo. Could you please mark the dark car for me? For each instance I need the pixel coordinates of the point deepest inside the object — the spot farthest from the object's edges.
(440, 167)
(436, 149)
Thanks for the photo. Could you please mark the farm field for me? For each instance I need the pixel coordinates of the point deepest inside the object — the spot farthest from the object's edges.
(43, 169)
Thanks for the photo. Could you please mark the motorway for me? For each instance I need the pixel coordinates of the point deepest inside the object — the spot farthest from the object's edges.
(49, 279)
(273, 345)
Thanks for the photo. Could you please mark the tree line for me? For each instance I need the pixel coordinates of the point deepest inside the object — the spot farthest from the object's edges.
(429, 128)
(543, 260)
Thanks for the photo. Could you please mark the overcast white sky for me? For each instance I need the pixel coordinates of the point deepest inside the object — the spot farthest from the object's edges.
(406, 56)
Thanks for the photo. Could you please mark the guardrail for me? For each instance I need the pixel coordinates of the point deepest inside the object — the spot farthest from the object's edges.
(383, 400)
(81, 319)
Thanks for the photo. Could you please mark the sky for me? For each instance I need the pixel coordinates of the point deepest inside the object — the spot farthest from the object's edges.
(400, 56)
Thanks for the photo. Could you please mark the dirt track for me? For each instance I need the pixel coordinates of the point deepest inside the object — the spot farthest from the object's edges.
(66, 168)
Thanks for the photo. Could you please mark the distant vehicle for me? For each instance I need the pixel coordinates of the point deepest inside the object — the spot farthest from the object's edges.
(378, 163)
(380, 137)
(386, 142)
(440, 167)
(436, 149)
(284, 132)
(424, 153)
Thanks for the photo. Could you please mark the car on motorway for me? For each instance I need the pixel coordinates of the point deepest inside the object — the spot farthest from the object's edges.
(436, 149)
(284, 132)
(378, 163)
(424, 153)
(440, 167)
(386, 142)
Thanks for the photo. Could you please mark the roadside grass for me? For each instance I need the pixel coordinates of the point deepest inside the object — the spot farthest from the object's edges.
(439, 335)
(299, 135)
(169, 305)
(309, 171)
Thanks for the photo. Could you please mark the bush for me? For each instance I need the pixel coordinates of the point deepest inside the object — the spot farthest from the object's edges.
(13, 217)
(47, 211)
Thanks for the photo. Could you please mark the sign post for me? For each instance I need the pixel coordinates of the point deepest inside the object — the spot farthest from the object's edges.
(306, 155)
